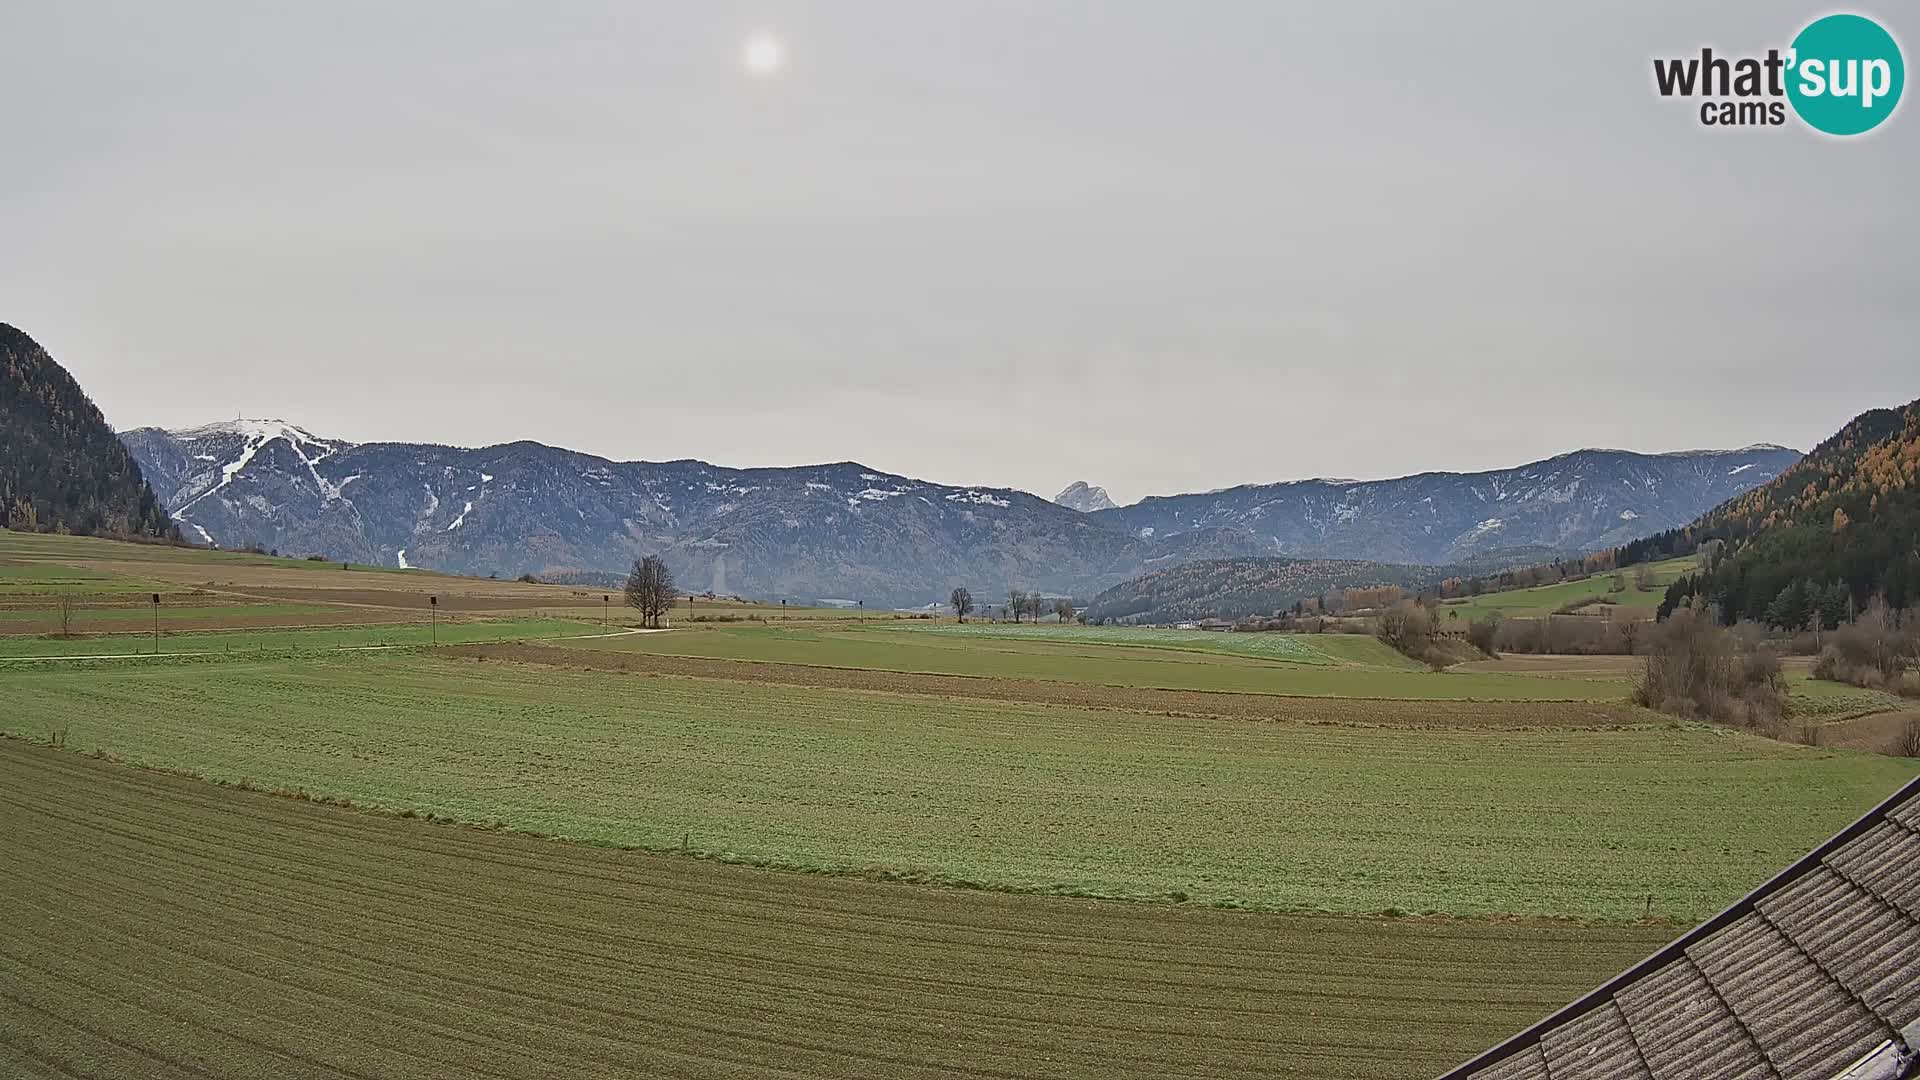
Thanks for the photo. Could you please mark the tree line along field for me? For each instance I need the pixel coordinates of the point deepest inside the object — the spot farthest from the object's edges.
(165, 927)
(994, 794)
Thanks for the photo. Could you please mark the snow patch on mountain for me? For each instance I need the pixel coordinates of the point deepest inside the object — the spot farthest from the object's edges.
(978, 498)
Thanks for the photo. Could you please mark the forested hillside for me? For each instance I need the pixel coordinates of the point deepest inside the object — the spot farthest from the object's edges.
(1231, 588)
(1836, 529)
(62, 469)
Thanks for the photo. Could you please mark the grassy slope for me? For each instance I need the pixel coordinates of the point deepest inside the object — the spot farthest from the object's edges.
(180, 929)
(1037, 656)
(18, 547)
(1578, 823)
(1544, 599)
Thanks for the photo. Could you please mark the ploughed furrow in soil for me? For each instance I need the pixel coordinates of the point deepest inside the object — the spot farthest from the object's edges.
(1351, 712)
(155, 926)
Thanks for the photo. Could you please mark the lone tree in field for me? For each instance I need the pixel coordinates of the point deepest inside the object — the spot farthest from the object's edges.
(962, 602)
(650, 589)
(1016, 603)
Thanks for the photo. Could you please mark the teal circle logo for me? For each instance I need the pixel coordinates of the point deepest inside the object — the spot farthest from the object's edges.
(1846, 74)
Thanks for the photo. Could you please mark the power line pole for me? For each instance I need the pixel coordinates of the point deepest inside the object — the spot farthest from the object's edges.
(156, 624)
(433, 617)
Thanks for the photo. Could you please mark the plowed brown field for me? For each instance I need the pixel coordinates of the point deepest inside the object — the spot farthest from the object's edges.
(154, 926)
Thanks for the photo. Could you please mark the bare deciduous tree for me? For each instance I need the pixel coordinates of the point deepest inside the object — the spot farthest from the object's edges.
(650, 589)
(65, 607)
(1064, 609)
(1016, 603)
(962, 602)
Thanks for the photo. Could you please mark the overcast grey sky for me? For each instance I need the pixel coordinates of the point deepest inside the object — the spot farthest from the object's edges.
(1160, 247)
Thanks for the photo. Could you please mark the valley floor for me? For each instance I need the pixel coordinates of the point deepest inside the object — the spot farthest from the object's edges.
(1260, 854)
(163, 927)
(1396, 810)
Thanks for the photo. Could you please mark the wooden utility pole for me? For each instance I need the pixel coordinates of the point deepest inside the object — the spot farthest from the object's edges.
(156, 624)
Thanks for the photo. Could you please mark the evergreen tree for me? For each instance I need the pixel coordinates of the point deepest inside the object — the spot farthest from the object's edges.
(1834, 602)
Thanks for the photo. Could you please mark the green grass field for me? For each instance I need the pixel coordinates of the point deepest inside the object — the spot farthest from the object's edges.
(275, 641)
(33, 581)
(1039, 799)
(22, 547)
(780, 909)
(1818, 698)
(156, 926)
(1293, 648)
(84, 616)
(1329, 665)
(1544, 599)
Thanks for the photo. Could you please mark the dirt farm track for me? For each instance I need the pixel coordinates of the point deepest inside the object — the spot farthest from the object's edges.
(170, 927)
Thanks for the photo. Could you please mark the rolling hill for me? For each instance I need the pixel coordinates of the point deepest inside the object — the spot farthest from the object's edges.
(1848, 514)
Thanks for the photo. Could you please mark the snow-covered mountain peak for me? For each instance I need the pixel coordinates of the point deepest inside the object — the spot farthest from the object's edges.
(260, 431)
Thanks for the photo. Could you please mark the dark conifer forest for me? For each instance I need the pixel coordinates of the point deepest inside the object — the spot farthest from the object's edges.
(62, 469)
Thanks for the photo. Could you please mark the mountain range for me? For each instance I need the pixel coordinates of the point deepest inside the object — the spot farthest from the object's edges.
(1574, 502)
(850, 531)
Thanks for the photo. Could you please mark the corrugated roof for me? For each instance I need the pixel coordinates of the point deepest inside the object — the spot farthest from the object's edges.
(1812, 975)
